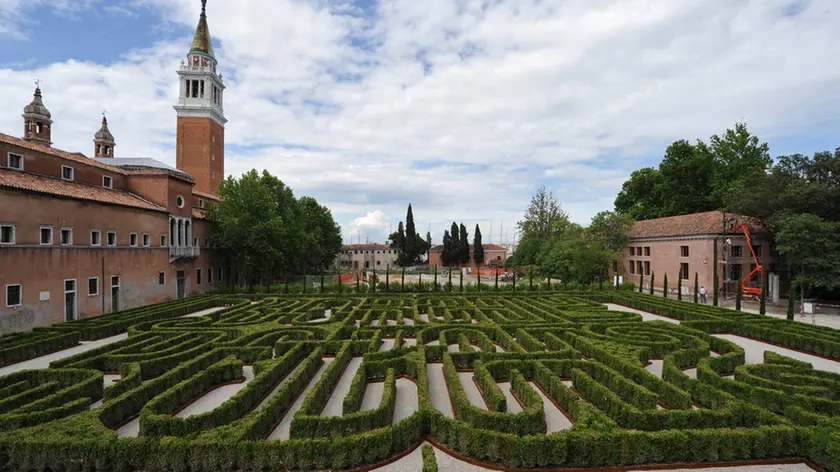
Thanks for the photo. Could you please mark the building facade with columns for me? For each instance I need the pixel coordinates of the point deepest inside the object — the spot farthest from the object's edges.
(82, 236)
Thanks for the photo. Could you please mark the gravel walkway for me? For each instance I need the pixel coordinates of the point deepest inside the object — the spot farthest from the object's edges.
(407, 401)
(204, 312)
(453, 348)
(754, 353)
(413, 462)
(436, 342)
(645, 315)
(282, 430)
(130, 429)
(471, 389)
(212, 399)
(327, 315)
(424, 317)
(335, 403)
(512, 405)
(409, 342)
(555, 420)
(437, 390)
(387, 344)
(408, 321)
(655, 367)
(373, 396)
(43, 362)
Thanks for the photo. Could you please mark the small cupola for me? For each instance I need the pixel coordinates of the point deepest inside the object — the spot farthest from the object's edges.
(37, 120)
(103, 140)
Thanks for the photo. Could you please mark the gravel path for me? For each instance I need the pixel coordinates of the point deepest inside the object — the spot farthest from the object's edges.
(476, 348)
(655, 367)
(391, 322)
(387, 344)
(408, 321)
(205, 312)
(436, 342)
(413, 462)
(750, 468)
(453, 348)
(512, 405)
(409, 342)
(212, 399)
(437, 389)
(43, 362)
(645, 315)
(691, 372)
(424, 317)
(110, 379)
(282, 430)
(555, 420)
(754, 353)
(130, 429)
(335, 403)
(407, 401)
(373, 396)
(276, 389)
(447, 463)
(471, 389)
(327, 315)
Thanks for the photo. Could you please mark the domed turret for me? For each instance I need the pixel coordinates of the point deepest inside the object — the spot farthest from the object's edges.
(37, 120)
(103, 141)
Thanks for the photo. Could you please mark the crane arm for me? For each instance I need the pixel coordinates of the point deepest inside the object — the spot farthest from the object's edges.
(758, 269)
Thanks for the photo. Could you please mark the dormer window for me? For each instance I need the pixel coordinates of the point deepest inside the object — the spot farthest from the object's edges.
(107, 182)
(15, 161)
(67, 173)
(201, 203)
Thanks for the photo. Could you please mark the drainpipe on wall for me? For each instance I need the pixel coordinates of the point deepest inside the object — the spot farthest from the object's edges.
(102, 288)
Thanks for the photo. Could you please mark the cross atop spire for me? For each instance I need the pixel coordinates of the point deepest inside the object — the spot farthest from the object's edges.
(201, 41)
(203, 6)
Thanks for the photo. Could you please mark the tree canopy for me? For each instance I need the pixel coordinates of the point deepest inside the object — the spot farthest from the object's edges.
(408, 241)
(478, 247)
(266, 232)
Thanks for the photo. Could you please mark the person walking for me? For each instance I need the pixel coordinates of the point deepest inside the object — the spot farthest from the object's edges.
(703, 294)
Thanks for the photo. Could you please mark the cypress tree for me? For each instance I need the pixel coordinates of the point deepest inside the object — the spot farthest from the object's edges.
(357, 282)
(696, 287)
(665, 286)
(455, 244)
(402, 284)
(791, 296)
(762, 307)
(679, 287)
(450, 279)
(412, 246)
(321, 289)
(478, 247)
(530, 278)
(600, 283)
(435, 283)
(497, 279)
(641, 282)
(716, 289)
(652, 274)
(514, 280)
(464, 239)
(446, 252)
(387, 278)
(373, 279)
(400, 244)
(739, 295)
(461, 281)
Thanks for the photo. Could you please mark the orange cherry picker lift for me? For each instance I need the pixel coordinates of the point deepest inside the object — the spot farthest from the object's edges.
(753, 293)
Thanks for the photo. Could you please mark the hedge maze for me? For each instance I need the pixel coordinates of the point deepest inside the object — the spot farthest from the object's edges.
(516, 380)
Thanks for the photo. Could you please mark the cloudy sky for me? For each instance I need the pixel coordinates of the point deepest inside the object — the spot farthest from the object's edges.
(461, 107)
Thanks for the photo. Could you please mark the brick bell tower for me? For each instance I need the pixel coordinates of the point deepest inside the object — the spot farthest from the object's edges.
(200, 111)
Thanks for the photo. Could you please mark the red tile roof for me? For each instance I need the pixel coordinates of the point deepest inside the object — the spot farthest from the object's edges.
(208, 196)
(710, 222)
(350, 247)
(51, 151)
(61, 188)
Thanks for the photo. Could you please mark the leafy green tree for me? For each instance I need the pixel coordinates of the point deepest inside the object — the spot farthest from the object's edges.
(464, 240)
(478, 247)
(812, 249)
(541, 216)
(446, 253)
(266, 232)
(640, 196)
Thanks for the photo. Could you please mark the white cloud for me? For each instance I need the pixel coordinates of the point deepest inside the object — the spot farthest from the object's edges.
(373, 227)
(465, 107)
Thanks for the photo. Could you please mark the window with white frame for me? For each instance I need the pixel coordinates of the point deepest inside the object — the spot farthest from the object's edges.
(163, 240)
(107, 182)
(112, 238)
(67, 173)
(15, 161)
(7, 234)
(132, 239)
(66, 236)
(147, 240)
(95, 237)
(14, 295)
(93, 286)
(46, 235)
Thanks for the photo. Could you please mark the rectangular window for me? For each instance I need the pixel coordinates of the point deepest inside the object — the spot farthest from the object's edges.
(162, 278)
(647, 250)
(632, 267)
(198, 276)
(67, 173)
(15, 161)
(132, 239)
(735, 272)
(737, 251)
(162, 240)
(107, 182)
(112, 238)
(115, 281)
(195, 242)
(210, 275)
(93, 286)
(147, 240)
(647, 267)
(66, 236)
(684, 271)
(757, 250)
(219, 278)
(639, 269)
(7, 234)
(95, 237)
(14, 295)
(46, 235)
(632, 251)
(683, 251)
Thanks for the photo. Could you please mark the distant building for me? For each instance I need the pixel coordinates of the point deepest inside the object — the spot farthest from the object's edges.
(366, 256)
(83, 236)
(492, 252)
(681, 246)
